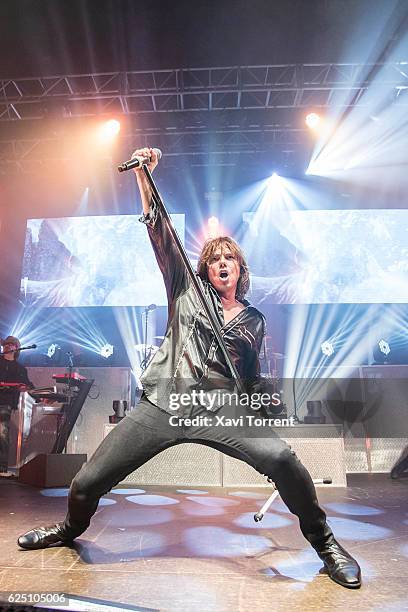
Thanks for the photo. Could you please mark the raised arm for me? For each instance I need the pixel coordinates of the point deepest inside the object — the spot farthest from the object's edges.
(170, 263)
(142, 182)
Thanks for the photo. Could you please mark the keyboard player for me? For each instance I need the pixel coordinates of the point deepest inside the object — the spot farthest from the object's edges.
(10, 372)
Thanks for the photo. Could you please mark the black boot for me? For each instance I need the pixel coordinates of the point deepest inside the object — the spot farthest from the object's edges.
(400, 468)
(340, 565)
(42, 537)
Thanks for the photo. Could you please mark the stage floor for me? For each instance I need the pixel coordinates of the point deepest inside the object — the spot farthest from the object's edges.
(197, 550)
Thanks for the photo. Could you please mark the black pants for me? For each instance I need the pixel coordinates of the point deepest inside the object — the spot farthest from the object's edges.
(147, 431)
(5, 413)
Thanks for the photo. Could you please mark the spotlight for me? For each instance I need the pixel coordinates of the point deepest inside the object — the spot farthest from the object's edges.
(109, 129)
(52, 349)
(274, 182)
(384, 347)
(312, 120)
(327, 348)
(213, 227)
(106, 351)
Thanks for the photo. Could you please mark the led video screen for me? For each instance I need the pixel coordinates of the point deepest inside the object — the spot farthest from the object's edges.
(91, 261)
(328, 256)
(303, 257)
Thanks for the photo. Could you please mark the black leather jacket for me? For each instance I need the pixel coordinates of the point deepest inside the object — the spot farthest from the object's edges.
(189, 357)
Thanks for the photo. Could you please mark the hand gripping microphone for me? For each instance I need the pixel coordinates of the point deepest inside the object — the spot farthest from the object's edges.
(138, 161)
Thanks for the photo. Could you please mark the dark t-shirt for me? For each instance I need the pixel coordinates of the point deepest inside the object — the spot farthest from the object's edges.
(12, 371)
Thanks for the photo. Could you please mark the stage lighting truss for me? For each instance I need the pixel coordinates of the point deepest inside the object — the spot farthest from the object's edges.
(256, 108)
(182, 89)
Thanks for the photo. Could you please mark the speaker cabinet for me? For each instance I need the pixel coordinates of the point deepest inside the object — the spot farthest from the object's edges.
(51, 470)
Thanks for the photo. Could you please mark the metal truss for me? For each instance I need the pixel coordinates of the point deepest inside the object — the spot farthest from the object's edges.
(199, 112)
(202, 147)
(197, 89)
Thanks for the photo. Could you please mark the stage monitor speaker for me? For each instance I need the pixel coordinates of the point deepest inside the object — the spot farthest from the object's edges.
(51, 470)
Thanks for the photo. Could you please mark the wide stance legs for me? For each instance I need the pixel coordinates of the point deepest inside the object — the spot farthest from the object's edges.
(141, 436)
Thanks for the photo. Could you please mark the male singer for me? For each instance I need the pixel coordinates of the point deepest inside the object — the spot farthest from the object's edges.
(189, 360)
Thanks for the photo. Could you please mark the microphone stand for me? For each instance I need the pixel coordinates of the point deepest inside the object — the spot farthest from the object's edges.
(69, 393)
(195, 281)
(143, 365)
(145, 347)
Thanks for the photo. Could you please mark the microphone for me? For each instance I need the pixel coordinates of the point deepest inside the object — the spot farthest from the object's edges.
(26, 348)
(138, 161)
(22, 348)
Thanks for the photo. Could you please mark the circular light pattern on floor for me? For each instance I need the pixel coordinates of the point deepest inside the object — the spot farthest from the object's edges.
(297, 586)
(63, 492)
(353, 509)
(140, 517)
(192, 492)
(117, 549)
(278, 505)
(220, 542)
(104, 501)
(250, 494)
(349, 529)
(304, 566)
(152, 500)
(128, 491)
(149, 544)
(269, 521)
(395, 606)
(404, 549)
(214, 502)
(199, 510)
